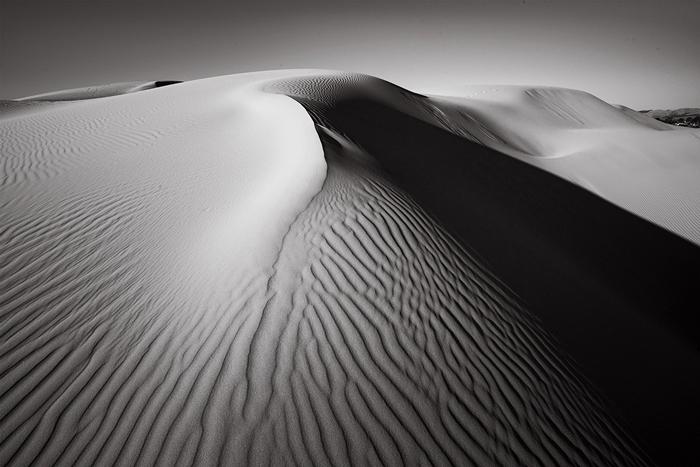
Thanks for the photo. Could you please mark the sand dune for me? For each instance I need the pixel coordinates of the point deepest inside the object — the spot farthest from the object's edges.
(626, 157)
(94, 92)
(213, 274)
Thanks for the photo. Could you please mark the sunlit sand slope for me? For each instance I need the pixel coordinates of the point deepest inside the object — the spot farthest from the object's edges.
(130, 226)
(185, 279)
(640, 164)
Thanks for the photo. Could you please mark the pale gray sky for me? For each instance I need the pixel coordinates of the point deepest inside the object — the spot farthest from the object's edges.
(640, 54)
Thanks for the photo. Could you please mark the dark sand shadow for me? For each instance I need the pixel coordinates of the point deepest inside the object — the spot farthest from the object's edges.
(617, 292)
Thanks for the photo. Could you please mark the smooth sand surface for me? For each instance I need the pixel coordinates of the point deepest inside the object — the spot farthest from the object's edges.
(213, 274)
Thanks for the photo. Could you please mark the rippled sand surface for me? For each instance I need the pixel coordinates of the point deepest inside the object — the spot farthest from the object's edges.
(230, 271)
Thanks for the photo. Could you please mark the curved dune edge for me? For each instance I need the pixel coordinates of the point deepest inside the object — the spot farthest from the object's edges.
(25, 106)
(187, 280)
(95, 92)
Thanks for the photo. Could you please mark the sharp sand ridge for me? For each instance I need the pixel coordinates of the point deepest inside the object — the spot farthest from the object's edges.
(93, 92)
(192, 275)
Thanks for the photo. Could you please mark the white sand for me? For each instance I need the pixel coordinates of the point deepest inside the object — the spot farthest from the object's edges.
(185, 280)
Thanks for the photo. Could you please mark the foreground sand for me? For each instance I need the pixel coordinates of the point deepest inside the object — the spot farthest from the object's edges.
(211, 274)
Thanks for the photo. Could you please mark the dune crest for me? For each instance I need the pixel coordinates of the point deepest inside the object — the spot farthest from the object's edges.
(96, 92)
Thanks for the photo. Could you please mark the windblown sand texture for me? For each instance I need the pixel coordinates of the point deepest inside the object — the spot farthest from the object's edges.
(210, 273)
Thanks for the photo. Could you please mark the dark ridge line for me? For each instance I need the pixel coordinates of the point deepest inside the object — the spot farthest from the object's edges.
(160, 84)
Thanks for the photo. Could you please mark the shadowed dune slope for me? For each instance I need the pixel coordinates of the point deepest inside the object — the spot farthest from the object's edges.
(628, 158)
(198, 275)
(619, 293)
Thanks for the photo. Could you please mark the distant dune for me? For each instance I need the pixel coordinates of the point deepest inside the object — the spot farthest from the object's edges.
(626, 157)
(93, 92)
(320, 268)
